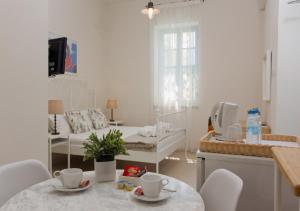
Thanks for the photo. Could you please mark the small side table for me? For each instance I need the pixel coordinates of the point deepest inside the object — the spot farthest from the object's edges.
(56, 140)
(116, 123)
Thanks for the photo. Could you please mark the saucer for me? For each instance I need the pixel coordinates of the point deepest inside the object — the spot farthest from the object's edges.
(64, 189)
(162, 196)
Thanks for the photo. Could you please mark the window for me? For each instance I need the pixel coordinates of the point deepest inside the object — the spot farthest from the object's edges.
(176, 65)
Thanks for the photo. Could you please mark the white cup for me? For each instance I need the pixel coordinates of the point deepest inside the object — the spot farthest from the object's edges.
(234, 132)
(152, 184)
(70, 178)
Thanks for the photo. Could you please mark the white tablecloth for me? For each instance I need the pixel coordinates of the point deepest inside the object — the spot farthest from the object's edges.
(101, 196)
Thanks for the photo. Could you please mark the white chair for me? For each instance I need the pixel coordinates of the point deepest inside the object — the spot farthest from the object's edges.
(221, 191)
(18, 176)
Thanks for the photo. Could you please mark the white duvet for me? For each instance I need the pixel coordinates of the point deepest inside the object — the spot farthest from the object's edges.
(126, 131)
(130, 135)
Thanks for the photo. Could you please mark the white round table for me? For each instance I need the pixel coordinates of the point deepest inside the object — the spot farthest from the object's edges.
(101, 196)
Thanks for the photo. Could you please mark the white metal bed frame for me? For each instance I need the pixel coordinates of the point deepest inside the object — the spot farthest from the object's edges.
(137, 156)
(66, 89)
(153, 157)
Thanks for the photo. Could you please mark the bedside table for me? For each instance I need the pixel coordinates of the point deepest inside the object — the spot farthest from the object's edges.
(56, 140)
(116, 123)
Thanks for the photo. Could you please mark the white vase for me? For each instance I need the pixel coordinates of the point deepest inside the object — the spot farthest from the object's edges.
(105, 171)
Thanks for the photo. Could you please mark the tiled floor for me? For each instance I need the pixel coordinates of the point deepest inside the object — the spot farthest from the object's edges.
(175, 166)
(181, 168)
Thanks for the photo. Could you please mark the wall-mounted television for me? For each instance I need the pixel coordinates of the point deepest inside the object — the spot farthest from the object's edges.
(56, 56)
(62, 56)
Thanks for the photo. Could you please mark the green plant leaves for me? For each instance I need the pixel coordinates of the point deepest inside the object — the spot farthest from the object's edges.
(110, 144)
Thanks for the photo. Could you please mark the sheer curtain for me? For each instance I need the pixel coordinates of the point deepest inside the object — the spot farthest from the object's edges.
(175, 50)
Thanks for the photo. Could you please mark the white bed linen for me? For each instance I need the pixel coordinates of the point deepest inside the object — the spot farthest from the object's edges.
(78, 139)
(163, 148)
(82, 137)
(178, 135)
(137, 138)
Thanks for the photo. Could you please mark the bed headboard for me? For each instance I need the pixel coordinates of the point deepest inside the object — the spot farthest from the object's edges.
(75, 94)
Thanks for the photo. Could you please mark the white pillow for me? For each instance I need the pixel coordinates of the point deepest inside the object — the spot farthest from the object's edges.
(62, 124)
(98, 118)
(86, 117)
(78, 122)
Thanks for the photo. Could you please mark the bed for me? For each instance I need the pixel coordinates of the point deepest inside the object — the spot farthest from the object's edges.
(140, 149)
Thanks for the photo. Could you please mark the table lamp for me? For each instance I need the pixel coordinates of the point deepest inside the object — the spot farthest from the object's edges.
(112, 104)
(55, 107)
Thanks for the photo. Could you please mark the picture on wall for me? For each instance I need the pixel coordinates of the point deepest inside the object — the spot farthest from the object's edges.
(71, 57)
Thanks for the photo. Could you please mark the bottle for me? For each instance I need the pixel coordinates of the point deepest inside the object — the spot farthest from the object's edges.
(253, 135)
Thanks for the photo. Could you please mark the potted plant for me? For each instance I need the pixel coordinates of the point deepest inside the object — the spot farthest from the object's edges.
(103, 151)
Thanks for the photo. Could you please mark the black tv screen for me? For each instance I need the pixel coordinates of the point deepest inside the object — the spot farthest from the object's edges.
(56, 56)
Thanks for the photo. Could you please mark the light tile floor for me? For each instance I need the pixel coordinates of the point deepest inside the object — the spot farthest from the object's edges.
(179, 167)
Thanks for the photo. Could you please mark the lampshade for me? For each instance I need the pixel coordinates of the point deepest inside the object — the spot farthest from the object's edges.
(111, 104)
(55, 107)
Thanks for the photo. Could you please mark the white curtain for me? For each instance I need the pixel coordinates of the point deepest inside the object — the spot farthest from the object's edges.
(175, 50)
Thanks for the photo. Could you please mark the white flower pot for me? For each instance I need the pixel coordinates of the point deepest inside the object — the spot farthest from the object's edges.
(105, 171)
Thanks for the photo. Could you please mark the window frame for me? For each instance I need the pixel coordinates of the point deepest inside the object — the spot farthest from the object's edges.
(178, 29)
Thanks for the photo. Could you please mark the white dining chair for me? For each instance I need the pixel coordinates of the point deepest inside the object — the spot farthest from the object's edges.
(221, 191)
(18, 176)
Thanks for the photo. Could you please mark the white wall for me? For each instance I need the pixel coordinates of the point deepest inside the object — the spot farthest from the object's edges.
(23, 81)
(82, 20)
(282, 30)
(128, 61)
(231, 59)
(270, 42)
(232, 39)
(287, 115)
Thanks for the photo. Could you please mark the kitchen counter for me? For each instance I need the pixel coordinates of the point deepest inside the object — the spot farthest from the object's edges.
(260, 176)
(288, 160)
(288, 164)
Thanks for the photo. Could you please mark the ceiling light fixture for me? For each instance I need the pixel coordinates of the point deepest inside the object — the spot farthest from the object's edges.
(150, 10)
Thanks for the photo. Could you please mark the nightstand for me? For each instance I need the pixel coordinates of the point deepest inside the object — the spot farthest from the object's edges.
(56, 140)
(116, 123)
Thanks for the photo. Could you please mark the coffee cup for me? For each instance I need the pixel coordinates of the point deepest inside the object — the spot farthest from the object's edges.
(152, 184)
(70, 178)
